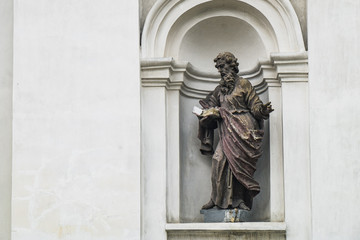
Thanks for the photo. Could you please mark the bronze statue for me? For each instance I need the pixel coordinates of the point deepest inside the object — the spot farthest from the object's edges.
(238, 113)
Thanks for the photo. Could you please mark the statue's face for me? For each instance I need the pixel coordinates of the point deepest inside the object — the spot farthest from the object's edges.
(223, 68)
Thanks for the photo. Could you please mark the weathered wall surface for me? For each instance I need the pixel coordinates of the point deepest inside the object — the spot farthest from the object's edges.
(76, 162)
(6, 58)
(334, 52)
(76, 119)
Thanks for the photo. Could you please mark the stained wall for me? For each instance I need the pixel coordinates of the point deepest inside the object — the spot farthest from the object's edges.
(76, 139)
(334, 52)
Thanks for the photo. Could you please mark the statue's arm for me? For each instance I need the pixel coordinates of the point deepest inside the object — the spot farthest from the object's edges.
(208, 122)
(211, 100)
(257, 108)
(210, 114)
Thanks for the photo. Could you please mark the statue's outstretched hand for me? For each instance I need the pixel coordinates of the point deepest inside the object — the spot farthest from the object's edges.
(267, 108)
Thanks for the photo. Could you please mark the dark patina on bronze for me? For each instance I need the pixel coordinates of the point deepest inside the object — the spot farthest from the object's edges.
(237, 111)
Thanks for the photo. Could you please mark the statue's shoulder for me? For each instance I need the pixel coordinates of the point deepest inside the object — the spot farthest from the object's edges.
(244, 83)
(214, 93)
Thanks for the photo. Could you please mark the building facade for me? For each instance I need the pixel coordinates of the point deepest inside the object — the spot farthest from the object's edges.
(97, 138)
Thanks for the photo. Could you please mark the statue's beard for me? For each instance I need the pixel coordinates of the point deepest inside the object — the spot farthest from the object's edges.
(227, 83)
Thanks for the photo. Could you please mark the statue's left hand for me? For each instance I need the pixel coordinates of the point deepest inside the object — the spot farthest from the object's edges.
(267, 108)
(211, 112)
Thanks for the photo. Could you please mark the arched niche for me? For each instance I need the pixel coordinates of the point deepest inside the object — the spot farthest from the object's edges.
(175, 47)
(168, 22)
(198, 46)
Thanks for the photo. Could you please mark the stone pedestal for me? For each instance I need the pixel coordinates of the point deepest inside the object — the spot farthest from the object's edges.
(223, 215)
(226, 231)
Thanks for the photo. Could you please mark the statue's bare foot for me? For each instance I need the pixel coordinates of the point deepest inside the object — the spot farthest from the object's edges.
(243, 206)
(209, 205)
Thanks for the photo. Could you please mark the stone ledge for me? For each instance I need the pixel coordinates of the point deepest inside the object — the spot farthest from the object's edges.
(233, 227)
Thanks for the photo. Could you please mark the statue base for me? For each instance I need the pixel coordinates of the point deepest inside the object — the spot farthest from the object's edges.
(223, 215)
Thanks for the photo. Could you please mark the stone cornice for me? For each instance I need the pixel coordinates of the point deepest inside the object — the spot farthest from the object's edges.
(195, 83)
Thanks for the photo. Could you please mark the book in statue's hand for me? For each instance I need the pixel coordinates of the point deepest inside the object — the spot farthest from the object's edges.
(197, 111)
(206, 112)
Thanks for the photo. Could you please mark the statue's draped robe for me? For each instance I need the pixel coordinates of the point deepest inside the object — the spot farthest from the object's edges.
(239, 147)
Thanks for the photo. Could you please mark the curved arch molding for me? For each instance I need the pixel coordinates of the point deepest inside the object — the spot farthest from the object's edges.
(168, 21)
(275, 21)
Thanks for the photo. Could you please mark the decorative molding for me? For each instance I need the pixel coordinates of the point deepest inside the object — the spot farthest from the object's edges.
(169, 21)
(195, 83)
(293, 77)
(192, 82)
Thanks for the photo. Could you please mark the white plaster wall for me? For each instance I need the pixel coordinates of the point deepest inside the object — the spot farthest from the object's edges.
(76, 152)
(296, 160)
(153, 178)
(6, 59)
(334, 52)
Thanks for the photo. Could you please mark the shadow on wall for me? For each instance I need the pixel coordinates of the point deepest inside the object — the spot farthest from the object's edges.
(205, 40)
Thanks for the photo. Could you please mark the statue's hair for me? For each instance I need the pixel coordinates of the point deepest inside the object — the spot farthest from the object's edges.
(229, 58)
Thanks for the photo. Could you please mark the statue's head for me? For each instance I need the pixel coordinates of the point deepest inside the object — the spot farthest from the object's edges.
(227, 65)
(226, 62)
